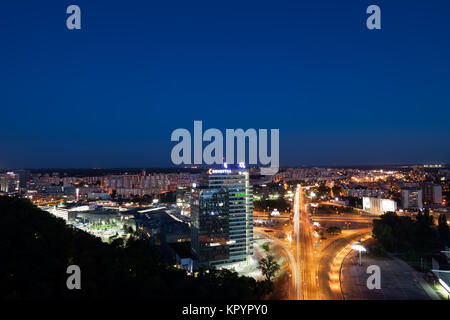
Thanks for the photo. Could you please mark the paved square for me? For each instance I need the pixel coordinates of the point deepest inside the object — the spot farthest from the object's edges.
(399, 281)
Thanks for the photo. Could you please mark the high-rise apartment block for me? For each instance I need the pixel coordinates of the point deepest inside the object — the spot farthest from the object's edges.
(412, 198)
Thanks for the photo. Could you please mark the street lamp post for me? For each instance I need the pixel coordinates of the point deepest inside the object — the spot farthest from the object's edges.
(358, 247)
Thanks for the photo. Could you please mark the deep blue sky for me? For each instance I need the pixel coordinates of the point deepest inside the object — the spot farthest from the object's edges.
(110, 95)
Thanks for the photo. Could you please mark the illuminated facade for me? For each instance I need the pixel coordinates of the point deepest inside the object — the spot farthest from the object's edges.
(378, 205)
(9, 182)
(236, 217)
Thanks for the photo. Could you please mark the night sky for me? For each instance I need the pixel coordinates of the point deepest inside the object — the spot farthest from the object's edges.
(110, 94)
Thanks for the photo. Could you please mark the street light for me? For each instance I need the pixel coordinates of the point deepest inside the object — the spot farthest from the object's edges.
(359, 247)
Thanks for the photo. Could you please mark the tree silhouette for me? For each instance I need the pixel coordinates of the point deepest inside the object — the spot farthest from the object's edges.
(37, 248)
(406, 235)
(443, 229)
(269, 267)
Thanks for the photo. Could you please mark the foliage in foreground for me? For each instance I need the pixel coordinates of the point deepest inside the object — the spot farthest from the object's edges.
(36, 249)
(269, 267)
(410, 236)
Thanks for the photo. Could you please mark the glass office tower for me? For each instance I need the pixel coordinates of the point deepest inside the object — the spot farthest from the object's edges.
(210, 226)
(238, 210)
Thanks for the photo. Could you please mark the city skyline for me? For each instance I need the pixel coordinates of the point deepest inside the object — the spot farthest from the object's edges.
(109, 95)
(216, 158)
(293, 233)
(203, 167)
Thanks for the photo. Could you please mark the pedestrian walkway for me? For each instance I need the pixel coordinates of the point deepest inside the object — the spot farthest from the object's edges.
(399, 281)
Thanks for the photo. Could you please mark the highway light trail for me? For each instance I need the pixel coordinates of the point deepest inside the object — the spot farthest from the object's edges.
(316, 269)
(293, 262)
(297, 237)
(306, 252)
(334, 274)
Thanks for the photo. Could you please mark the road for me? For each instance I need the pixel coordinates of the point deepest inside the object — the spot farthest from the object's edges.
(345, 218)
(344, 221)
(294, 268)
(315, 264)
(332, 256)
(307, 254)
